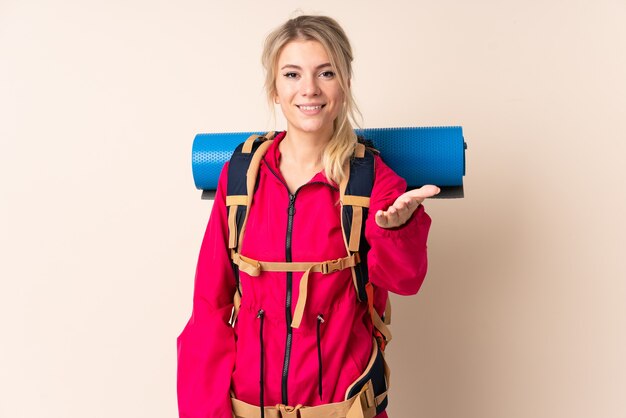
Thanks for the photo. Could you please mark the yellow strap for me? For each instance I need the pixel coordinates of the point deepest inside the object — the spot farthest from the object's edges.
(241, 200)
(242, 409)
(359, 150)
(254, 268)
(251, 175)
(302, 296)
(362, 201)
(247, 265)
(232, 227)
(247, 146)
(369, 366)
(358, 406)
(289, 411)
(357, 203)
(355, 229)
(380, 325)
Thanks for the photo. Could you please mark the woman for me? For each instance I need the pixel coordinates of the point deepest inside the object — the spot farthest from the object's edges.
(267, 358)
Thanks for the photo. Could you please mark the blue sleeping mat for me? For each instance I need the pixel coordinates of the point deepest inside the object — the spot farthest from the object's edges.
(422, 155)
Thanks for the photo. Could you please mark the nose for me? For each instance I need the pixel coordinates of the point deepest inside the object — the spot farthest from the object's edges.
(309, 86)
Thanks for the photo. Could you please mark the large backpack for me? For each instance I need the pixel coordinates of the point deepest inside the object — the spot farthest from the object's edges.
(355, 193)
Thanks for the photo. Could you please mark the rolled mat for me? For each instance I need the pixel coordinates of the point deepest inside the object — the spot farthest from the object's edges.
(422, 155)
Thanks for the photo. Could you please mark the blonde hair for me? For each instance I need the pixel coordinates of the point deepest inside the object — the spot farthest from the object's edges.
(331, 36)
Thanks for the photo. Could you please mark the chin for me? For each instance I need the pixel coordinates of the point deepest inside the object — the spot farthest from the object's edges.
(314, 127)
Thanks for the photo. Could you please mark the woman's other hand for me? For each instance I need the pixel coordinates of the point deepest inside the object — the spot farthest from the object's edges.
(404, 206)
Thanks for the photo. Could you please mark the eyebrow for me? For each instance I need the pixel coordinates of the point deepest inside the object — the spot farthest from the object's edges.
(297, 67)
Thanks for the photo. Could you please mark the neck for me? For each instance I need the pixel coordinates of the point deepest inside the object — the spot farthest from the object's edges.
(304, 149)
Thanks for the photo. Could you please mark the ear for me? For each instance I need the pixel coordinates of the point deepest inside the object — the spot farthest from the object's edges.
(276, 99)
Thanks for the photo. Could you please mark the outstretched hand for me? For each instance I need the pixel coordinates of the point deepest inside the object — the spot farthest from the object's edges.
(404, 206)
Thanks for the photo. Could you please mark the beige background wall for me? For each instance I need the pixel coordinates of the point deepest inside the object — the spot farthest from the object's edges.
(522, 313)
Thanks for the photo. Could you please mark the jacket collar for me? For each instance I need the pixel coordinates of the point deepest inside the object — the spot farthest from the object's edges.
(272, 159)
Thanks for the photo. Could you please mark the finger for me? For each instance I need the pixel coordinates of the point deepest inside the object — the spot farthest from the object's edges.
(407, 205)
(393, 217)
(430, 190)
(402, 209)
(424, 192)
(385, 220)
(413, 204)
(381, 219)
(405, 201)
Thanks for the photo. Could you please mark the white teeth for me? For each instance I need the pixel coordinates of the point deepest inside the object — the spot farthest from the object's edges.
(310, 107)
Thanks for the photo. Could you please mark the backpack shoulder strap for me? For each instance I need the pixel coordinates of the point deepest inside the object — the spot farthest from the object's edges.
(243, 170)
(355, 192)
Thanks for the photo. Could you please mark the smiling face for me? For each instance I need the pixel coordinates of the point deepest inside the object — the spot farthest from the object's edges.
(307, 88)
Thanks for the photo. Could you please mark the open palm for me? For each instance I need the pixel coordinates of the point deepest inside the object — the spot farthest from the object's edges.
(404, 206)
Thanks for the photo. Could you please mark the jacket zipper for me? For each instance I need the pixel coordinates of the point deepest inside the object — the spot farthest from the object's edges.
(291, 210)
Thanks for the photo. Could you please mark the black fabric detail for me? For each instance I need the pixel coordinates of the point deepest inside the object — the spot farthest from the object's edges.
(237, 168)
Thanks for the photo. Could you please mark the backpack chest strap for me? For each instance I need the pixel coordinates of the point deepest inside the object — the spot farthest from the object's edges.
(255, 267)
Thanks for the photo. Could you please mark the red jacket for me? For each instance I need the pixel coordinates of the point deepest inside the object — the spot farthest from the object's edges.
(215, 358)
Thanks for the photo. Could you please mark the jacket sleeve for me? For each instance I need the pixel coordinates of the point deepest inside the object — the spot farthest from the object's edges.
(206, 347)
(397, 259)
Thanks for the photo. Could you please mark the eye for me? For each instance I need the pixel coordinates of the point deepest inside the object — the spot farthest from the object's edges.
(290, 74)
(327, 74)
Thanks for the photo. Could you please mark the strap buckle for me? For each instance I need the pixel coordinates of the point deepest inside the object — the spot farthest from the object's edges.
(332, 266)
(247, 265)
(289, 411)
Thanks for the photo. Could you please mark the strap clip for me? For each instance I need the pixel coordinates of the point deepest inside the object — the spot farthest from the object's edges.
(289, 411)
(332, 266)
